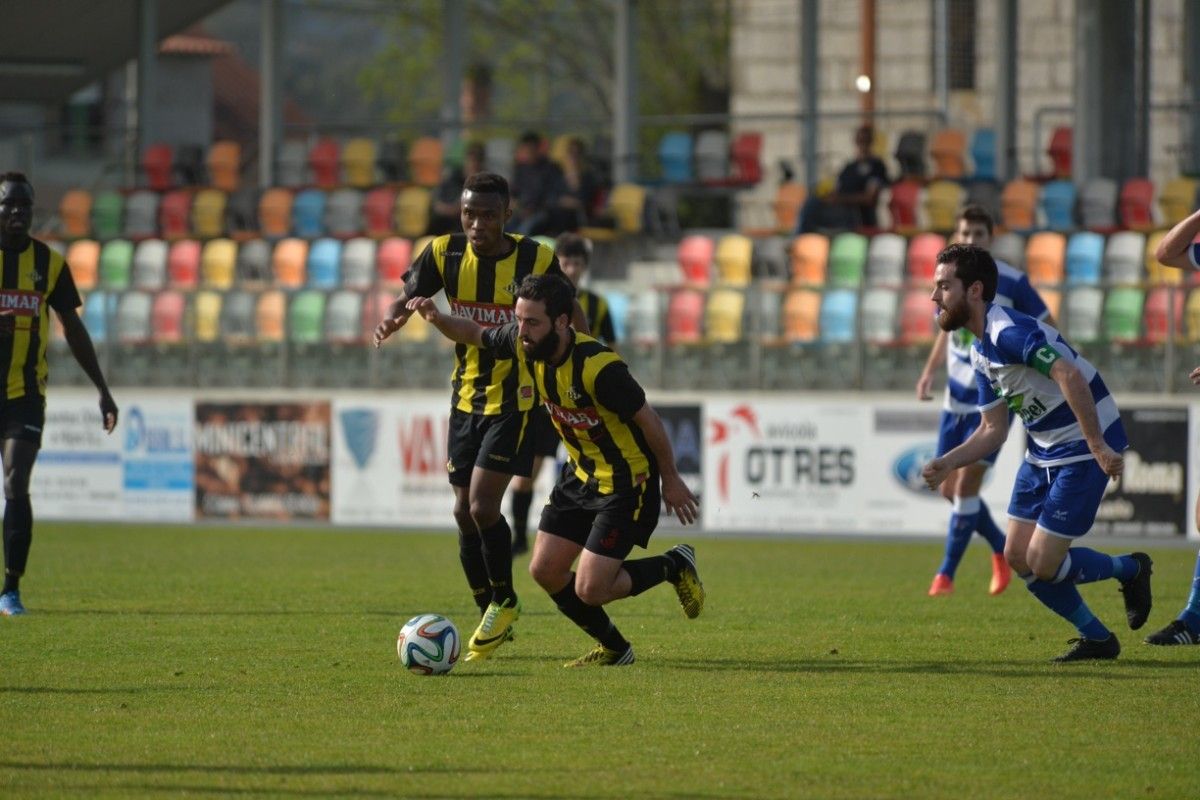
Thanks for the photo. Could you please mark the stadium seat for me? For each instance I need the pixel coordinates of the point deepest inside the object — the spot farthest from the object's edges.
(238, 317)
(904, 205)
(910, 153)
(291, 164)
(150, 264)
(175, 214)
(358, 162)
(358, 263)
(948, 151)
(885, 260)
(107, 210)
(189, 165)
(98, 307)
(116, 264)
(917, 313)
(306, 317)
(734, 259)
(695, 255)
(241, 210)
(922, 259)
(254, 263)
(685, 316)
(847, 259)
(1098, 205)
(324, 260)
(1164, 314)
(789, 197)
(275, 213)
(158, 160)
(644, 319)
(343, 317)
(801, 315)
(1045, 257)
(627, 203)
(217, 264)
(771, 258)
(724, 314)
(392, 260)
(167, 317)
(1135, 206)
(208, 214)
(343, 213)
(1192, 316)
(810, 259)
(1060, 152)
(324, 162)
(1085, 259)
(308, 214)
(83, 256)
(183, 264)
(412, 211)
(225, 165)
(943, 199)
(879, 308)
(712, 156)
(1156, 273)
(675, 157)
(1178, 200)
(1018, 205)
(141, 215)
(1123, 258)
(392, 160)
(983, 154)
(1057, 203)
(378, 208)
(838, 308)
(1123, 309)
(206, 317)
(270, 315)
(1083, 313)
(133, 317)
(288, 263)
(746, 158)
(618, 309)
(499, 155)
(1009, 247)
(425, 161)
(1053, 300)
(75, 213)
(985, 194)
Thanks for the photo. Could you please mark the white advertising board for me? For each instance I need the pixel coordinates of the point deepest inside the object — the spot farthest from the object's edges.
(158, 461)
(78, 475)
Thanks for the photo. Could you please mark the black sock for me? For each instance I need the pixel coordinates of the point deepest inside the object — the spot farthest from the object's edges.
(646, 573)
(497, 555)
(470, 553)
(521, 501)
(18, 536)
(592, 619)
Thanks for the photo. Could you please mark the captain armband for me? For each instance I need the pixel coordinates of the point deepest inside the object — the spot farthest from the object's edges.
(1043, 359)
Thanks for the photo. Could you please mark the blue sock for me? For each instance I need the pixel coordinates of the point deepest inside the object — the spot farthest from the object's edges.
(958, 536)
(988, 528)
(1191, 614)
(1063, 599)
(1085, 565)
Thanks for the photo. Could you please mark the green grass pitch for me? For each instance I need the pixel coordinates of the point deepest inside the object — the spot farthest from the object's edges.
(261, 663)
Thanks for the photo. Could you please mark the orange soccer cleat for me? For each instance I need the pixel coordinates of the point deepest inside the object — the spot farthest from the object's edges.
(1001, 574)
(942, 584)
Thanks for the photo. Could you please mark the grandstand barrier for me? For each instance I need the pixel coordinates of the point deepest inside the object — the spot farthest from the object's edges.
(762, 464)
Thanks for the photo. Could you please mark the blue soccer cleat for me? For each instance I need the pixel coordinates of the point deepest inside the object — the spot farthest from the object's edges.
(10, 604)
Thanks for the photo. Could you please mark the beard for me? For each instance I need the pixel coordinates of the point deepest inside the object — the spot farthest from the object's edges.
(951, 319)
(544, 348)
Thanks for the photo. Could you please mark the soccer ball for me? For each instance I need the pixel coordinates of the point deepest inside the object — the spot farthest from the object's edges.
(428, 645)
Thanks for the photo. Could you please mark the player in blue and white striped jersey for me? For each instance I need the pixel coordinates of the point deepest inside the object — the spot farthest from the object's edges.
(960, 414)
(1075, 443)
(1179, 249)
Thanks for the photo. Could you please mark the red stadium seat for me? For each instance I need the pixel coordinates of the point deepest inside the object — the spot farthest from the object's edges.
(174, 214)
(183, 264)
(166, 317)
(1136, 203)
(324, 161)
(685, 316)
(746, 158)
(392, 260)
(1059, 150)
(1159, 302)
(922, 259)
(916, 318)
(903, 205)
(695, 256)
(378, 208)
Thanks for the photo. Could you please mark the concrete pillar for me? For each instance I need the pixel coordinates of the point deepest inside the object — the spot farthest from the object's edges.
(625, 101)
(1106, 107)
(270, 95)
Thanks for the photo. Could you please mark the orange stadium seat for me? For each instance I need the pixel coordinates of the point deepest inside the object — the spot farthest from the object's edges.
(288, 262)
(83, 256)
(378, 207)
(225, 165)
(695, 256)
(270, 316)
(1135, 205)
(948, 149)
(788, 199)
(392, 260)
(183, 264)
(1018, 205)
(1045, 258)
(75, 212)
(275, 213)
(801, 315)
(425, 161)
(810, 259)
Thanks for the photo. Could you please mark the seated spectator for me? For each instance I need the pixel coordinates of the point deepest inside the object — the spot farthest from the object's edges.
(851, 204)
(581, 185)
(447, 195)
(537, 190)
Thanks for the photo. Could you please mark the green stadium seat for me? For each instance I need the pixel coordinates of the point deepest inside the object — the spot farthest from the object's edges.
(847, 259)
(107, 211)
(116, 264)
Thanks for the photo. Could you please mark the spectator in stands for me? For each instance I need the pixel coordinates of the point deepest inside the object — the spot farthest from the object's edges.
(448, 194)
(38, 280)
(538, 188)
(581, 184)
(852, 202)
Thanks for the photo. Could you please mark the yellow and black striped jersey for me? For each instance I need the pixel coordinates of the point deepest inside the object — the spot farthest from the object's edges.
(592, 399)
(33, 281)
(595, 310)
(484, 290)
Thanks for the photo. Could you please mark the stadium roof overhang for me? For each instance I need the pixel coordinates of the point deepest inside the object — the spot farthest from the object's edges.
(55, 47)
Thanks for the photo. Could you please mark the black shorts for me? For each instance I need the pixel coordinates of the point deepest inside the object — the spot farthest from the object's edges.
(542, 433)
(607, 524)
(23, 418)
(499, 442)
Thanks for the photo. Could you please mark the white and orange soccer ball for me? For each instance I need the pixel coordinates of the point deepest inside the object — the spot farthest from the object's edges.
(428, 644)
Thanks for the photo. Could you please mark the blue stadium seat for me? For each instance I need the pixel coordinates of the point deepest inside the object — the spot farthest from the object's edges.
(838, 309)
(324, 263)
(308, 214)
(675, 157)
(983, 153)
(97, 310)
(1058, 205)
(1085, 259)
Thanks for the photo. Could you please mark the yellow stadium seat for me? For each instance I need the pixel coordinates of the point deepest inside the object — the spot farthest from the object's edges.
(1178, 200)
(208, 214)
(358, 162)
(217, 261)
(207, 325)
(735, 256)
(412, 211)
(723, 316)
(943, 199)
(1156, 273)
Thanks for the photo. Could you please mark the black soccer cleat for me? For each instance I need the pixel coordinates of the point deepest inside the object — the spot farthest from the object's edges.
(1091, 649)
(1137, 592)
(1175, 633)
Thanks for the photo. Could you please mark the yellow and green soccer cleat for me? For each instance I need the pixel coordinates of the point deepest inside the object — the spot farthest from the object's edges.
(494, 630)
(687, 585)
(601, 656)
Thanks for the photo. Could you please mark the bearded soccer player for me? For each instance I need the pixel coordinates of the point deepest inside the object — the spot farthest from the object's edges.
(1075, 443)
(480, 270)
(608, 495)
(34, 280)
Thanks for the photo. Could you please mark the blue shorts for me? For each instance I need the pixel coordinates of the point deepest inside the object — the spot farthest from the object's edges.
(1061, 500)
(956, 429)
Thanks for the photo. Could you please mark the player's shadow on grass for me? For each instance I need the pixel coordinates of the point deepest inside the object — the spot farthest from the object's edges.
(163, 612)
(81, 690)
(293, 770)
(1011, 669)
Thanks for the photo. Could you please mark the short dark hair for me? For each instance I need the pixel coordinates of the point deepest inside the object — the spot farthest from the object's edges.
(487, 183)
(977, 213)
(972, 264)
(554, 290)
(572, 245)
(531, 137)
(13, 177)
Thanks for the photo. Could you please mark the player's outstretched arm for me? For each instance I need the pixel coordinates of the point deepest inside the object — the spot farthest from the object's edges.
(397, 315)
(85, 354)
(456, 329)
(678, 497)
(937, 358)
(1079, 397)
(987, 439)
(1173, 249)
